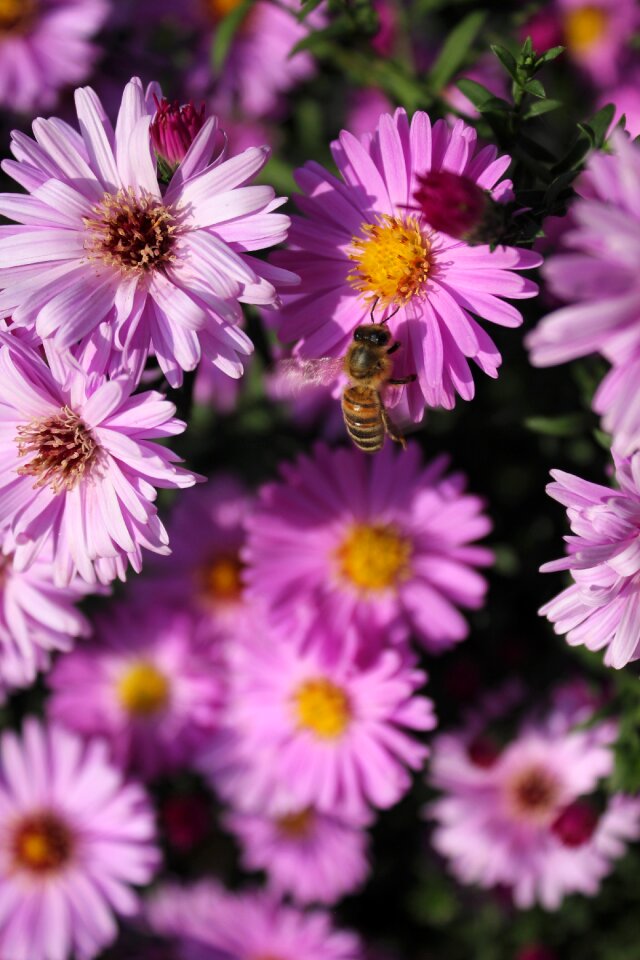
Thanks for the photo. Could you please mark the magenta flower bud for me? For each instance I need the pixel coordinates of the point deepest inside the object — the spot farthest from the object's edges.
(483, 751)
(575, 824)
(186, 821)
(174, 128)
(452, 203)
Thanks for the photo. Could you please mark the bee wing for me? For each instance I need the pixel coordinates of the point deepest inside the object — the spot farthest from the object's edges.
(297, 373)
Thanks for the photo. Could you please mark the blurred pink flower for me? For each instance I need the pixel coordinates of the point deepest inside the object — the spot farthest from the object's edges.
(314, 857)
(339, 736)
(205, 571)
(601, 609)
(598, 274)
(101, 244)
(366, 106)
(245, 926)
(73, 839)
(45, 46)
(361, 246)
(515, 822)
(596, 35)
(384, 545)
(36, 617)
(80, 467)
(145, 683)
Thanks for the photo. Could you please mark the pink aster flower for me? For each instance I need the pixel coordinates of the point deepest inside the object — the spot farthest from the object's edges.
(525, 818)
(618, 402)
(362, 246)
(73, 839)
(145, 683)
(36, 616)
(245, 926)
(205, 570)
(339, 735)
(601, 609)
(625, 96)
(104, 253)
(45, 45)
(596, 35)
(597, 275)
(382, 544)
(315, 857)
(79, 466)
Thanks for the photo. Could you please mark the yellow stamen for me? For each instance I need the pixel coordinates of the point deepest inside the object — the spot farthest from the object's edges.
(322, 707)
(374, 556)
(143, 690)
(584, 26)
(393, 260)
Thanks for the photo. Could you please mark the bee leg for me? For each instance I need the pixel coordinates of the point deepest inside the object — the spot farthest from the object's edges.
(394, 346)
(402, 380)
(391, 431)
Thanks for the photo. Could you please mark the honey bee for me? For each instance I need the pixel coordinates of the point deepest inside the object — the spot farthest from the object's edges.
(368, 366)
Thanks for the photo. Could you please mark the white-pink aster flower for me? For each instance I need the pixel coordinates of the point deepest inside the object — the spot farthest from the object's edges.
(79, 468)
(104, 251)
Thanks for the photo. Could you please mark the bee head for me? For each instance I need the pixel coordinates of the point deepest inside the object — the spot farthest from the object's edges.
(374, 333)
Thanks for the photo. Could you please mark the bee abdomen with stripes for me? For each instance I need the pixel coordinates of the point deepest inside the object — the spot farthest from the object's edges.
(362, 412)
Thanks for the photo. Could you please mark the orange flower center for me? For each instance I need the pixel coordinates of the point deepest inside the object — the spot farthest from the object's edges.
(42, 843)
(392, 260)
(296, 826)
(584, 26)
(322, 707)
(15, 15)
(215, 10)
(221, 579)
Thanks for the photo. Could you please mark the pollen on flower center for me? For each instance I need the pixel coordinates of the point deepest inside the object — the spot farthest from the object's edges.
(221, 580)
(64, 450)
(322, 707)
(131, 231)
(374, 556)
(583, 26)
(296, 826)
(41, 843)
(533, 794)
(393, 260)
(15, 14)
(143, 690)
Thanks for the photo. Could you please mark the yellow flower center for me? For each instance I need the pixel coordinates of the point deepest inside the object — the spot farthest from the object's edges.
(533, 795)
(393, 260)
(374, 556)
(42, 843)
(584, 26)
(143, 690)
(296, 826)
(15, 14)
(322, 707)
(221, 580)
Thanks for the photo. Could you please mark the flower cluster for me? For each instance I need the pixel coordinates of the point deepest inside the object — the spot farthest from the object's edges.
(524, 814)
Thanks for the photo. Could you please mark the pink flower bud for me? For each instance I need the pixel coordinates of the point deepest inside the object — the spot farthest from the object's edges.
(483, 751)
(174, 128)
(451, 203)
(575, 824)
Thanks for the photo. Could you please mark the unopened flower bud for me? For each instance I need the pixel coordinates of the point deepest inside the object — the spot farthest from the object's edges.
(575, 824)
(483, 751)
(173, 130)
(456, 205)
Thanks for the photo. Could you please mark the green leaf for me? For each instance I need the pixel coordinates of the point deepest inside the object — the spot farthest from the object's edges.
(597, 126)
(455, 49)
(506, 58)
(565, 426)
(549, 55)
(307, 7)
(542, 106)
(480, 97)
(535, 88)
(225, 33)
(317, 38)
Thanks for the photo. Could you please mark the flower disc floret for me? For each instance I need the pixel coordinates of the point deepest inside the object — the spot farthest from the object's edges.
(42, 843)
(392, 260)
(143, 689)
(63, 450)
(322, 707)
(374, 556)
(131, 231)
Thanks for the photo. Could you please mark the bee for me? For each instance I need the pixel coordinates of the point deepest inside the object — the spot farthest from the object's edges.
(369, 368)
